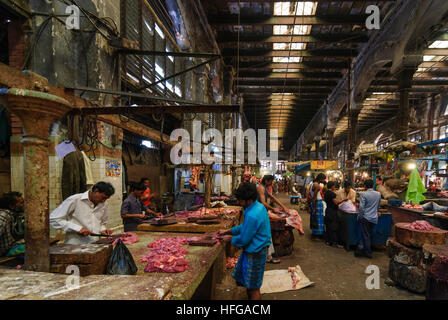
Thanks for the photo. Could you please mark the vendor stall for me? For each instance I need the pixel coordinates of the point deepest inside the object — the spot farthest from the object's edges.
(206, 264)
(349, 232)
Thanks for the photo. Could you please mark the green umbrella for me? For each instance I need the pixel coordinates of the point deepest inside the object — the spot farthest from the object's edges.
(415, 188)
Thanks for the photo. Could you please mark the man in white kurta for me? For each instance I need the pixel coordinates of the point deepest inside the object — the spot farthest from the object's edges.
(83, 214)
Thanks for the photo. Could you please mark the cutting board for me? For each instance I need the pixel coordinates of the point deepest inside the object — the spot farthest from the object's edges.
(418, 238)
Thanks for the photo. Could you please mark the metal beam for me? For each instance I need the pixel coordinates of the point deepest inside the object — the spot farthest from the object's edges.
(165, 54)
(321, 92)
(225, 37)
(333, 53)
(291, 76)
(225, 2)
(244, 66)
(151, 109)
(176, 74)
(232, 19)
(135, 95)
(289, 82)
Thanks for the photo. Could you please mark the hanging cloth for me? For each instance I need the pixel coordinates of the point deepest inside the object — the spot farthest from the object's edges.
(89, 175)
(415, 188)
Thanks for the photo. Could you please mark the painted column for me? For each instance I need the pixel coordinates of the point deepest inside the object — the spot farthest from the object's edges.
(37, 111)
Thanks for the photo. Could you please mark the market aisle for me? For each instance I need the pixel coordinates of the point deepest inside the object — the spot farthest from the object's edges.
(336, 273)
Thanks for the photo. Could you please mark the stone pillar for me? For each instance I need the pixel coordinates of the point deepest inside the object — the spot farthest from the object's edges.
(330, 136)
(308, 152)
(404, 77)
(353, 130)
(431, 112)
(316, 145)
(37, 111)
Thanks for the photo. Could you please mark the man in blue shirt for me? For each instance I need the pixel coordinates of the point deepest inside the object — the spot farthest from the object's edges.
(369, 203)
(254, 236)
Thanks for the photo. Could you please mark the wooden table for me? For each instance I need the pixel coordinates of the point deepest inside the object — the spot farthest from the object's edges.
(400, 214)
(194, 227)
(199, 281)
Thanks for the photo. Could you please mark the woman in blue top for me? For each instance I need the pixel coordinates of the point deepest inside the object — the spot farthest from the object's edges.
(254, 236)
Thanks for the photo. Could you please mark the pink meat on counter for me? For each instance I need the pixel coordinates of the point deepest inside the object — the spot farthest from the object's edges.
(132, 238)
(420, 225)
(293, 220)
(167, 255)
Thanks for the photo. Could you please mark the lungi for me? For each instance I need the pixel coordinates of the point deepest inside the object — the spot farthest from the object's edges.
(249, 269)
(319, 216)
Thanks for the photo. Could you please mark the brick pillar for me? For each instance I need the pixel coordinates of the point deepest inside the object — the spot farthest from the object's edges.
(29, 106)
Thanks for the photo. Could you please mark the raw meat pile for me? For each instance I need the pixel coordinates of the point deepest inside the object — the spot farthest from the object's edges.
(420, 225)
(132, 238)
(219, 198)
(204, 212)
(167, 255)
(231, 262)
(443, 194)
(413, 206)
(294, 276)
(293, 219)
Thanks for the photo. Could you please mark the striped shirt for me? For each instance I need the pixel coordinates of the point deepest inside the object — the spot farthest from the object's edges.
(7, 240)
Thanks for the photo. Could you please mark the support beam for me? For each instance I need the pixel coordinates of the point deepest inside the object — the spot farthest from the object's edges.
(150, 109)
(404, 78)
(324, 53)
(134, 95)
(166, 54)
(254, 20)
(225, 37)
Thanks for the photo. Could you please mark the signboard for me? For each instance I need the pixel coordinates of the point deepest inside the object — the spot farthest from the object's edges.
(367, 148)
(324, 165)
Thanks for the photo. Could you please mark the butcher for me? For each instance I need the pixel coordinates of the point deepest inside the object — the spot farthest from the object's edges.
(133, 211)
(254, 237)
(83, 214)
(262, 196)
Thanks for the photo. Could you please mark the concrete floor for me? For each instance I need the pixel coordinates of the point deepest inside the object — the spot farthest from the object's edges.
(336, 273)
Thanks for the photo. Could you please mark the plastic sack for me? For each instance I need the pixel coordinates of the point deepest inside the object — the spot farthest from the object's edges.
(17, 250)
(121, 261)
(348, 206)
(432, 206)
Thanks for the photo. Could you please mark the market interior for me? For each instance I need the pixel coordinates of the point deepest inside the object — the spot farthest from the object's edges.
(156, 148)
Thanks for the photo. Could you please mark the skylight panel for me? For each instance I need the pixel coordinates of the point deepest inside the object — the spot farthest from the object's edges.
(280, 29)
(302, 29)
(305, 8)
(439, 44)
(287, 46)
(159, 31)
(428, 58)
(282, 8)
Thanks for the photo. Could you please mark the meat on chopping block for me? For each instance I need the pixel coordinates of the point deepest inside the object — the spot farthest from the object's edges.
(408, 235)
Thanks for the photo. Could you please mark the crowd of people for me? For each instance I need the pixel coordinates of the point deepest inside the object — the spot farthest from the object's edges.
(324, 200)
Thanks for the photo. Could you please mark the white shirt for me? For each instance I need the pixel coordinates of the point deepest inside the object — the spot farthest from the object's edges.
(78, 212)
